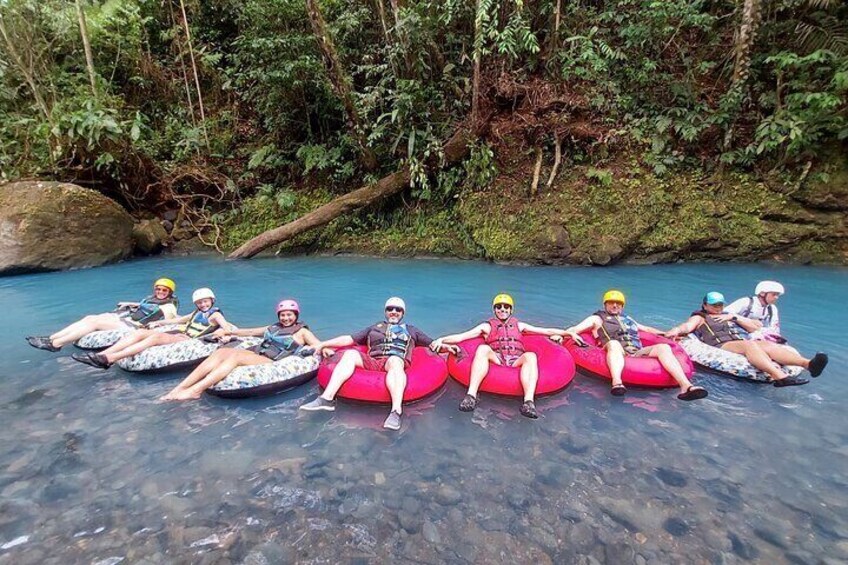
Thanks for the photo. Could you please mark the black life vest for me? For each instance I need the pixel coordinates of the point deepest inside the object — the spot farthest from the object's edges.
(713, 332)
(394, 341)
(149, 309)
(199, 324)
(277, 342)
(621, 328)
(505, 337)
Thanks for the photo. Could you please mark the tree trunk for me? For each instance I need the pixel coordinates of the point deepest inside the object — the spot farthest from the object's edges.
(455, 150)
(194, 70)
(478, 47)
(751, 13)
(89, 59)
(28, 77)
(339, 82)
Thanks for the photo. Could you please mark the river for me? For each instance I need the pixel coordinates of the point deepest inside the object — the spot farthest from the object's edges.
(94, 470)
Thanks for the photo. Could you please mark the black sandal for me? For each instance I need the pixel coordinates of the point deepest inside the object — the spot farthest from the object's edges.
(468, 404)
(693, 393)
(790, 381)
(618, 390)
(528, 409)
(817, 364)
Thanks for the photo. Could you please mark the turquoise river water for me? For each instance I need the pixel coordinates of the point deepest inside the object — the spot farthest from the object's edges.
(94, 470)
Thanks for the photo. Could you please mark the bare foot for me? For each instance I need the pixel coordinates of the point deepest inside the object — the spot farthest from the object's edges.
(188, 394)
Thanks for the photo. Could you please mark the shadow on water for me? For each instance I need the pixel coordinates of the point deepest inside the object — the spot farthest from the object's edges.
(94, 469)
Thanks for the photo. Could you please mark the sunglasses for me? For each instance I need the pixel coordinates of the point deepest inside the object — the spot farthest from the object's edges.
(394, 309)
(161, 289)
(503, 307)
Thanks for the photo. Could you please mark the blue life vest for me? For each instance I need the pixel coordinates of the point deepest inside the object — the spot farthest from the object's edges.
(396, 340)
(200, 325)
(149, 309)
(621, 328)
(278, 341)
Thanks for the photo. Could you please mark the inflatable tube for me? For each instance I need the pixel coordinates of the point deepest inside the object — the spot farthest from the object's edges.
(556, 368)
(107, 338)
(178, 355)
(427, 374)
(728, 363)
(638, 371)
(268, 378)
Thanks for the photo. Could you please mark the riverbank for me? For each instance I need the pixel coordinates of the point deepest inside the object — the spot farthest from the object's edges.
(591, 215)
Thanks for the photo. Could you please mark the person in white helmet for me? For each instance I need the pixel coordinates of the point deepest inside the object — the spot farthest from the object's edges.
(758, 314)
(205, 319)
(390, 345)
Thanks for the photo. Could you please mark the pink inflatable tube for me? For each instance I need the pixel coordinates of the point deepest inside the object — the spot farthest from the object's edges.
(427, 374)
(556, 368)
(638, 371)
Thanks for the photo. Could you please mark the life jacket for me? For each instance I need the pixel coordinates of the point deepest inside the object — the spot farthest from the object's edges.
(505, 338)
(199, 324)
(394, 341)
(713, 332)
(278, 341)
(621, 328)
(149, 309)
(749, 309)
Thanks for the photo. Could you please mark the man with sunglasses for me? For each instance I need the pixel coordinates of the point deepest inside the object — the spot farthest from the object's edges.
(727, 331)
(390, 344)
(504, 346)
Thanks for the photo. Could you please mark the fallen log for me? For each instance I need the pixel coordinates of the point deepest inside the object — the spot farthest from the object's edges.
(454, 150)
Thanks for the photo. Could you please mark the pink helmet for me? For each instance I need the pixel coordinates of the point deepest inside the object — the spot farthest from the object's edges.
(288, 304)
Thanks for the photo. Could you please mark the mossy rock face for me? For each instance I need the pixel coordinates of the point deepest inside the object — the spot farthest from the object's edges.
(50, 226)
(827, 188)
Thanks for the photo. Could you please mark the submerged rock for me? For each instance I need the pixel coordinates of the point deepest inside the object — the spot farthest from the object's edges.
(50, 226)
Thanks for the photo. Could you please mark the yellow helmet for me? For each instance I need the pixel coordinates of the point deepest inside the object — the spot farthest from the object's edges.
(167, 283)
(503, 298)
(614, 296)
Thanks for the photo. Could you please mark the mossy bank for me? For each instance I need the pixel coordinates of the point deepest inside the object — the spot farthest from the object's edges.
(588, 216)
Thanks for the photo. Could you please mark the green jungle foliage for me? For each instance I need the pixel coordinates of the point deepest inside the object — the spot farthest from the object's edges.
(213, 101)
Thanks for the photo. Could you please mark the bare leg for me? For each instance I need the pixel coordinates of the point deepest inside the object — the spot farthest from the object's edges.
(756, 356)
(480, 367)
(615, 361)
(146, 343)
(351, 359)
(197, 375)
(529, 366)
(783, 355)
(396, 382)
(85, 326)
(127, 341)
(665, 355)
(235, 358)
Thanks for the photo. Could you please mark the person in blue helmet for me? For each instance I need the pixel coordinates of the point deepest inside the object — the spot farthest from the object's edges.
(712, 325)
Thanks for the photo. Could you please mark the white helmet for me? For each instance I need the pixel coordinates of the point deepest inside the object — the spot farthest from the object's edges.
(396, 302)
(202, 293)
(768, 286)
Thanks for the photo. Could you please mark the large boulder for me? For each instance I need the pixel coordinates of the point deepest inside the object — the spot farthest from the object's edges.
(49, 226)
(149, 236)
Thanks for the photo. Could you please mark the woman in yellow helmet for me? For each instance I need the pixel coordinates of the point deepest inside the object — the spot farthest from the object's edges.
(162, 304)
(618, 333)
(503, 345)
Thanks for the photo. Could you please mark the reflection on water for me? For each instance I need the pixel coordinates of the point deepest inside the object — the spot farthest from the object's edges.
(94, 470)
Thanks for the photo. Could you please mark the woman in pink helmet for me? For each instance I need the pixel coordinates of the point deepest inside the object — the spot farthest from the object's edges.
(287, 337)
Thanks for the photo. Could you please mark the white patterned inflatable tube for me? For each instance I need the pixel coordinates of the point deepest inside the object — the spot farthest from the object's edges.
(108, 338)
(267, 378)
(727, 362)
(177, 355)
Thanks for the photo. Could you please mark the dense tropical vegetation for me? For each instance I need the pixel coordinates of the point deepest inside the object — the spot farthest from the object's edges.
(260, 109)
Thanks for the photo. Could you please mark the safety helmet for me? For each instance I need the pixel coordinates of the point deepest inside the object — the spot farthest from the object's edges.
(288, 304)
(167, 283)
(396, 302)
(503, 298)
(713, 298)
(768, 286)
(202, 293)
(614, 296)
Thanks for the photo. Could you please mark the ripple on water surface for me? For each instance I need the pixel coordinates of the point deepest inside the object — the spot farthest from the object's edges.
(93, 469)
